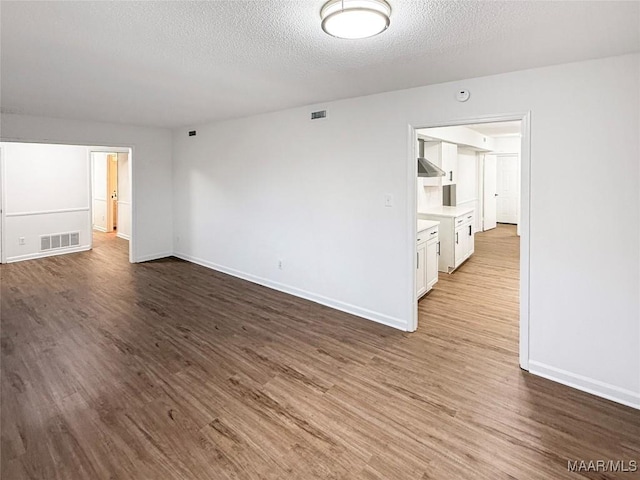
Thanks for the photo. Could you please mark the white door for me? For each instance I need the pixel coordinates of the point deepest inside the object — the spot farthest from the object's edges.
(490, 193)
(507, 189)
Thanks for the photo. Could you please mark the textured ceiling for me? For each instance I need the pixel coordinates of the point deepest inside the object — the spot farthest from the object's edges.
(179, 63)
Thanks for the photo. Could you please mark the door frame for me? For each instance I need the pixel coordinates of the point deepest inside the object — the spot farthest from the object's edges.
(525, 215)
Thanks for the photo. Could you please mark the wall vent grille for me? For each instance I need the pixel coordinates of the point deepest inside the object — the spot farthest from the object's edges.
(59, 240)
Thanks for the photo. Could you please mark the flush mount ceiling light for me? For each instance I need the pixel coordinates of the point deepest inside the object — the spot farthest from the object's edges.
(355, 18)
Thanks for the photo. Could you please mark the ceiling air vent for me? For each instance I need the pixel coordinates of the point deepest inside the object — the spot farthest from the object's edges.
(318, 114)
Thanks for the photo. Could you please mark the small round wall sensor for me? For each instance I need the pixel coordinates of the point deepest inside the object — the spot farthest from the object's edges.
(462, 95)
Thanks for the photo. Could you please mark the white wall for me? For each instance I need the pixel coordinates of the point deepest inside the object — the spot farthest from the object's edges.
(429, 196)
(99, 190)
(151, 162)
(124, 198)
(46, 191)
(251, 191)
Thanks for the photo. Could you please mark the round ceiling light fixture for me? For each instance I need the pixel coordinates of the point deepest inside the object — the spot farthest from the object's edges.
(355, 18)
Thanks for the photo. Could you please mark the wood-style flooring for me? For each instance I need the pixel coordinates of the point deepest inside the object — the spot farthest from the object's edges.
(168, 370)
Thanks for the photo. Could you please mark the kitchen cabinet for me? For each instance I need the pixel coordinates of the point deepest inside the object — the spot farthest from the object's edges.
(433, 250)
(444, 155)
(427, 258)
(421, 274)
(456, 235)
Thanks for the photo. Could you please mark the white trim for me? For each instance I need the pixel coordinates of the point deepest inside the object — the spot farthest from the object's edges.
(525, 243)
(133, 213)
(122, 236)
(48, 212)
(412, 205)
(586, 384)
(122, 202)
(99, 228)
(153, 256)
(296, 292)
(525, 239)
(53, 253)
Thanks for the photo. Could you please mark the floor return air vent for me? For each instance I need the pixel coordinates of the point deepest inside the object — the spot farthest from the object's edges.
(59, 240)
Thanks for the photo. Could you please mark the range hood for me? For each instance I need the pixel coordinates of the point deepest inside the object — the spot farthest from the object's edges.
(425, 167)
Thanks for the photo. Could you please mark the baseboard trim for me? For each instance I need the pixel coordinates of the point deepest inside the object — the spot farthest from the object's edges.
(153, 256)
(100, 229)
(297, 292)
(54, 253)
(122, 236)
(586, 384)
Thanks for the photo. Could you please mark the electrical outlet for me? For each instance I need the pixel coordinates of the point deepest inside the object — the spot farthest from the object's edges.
(280, 264)
(21, 241)
(388, 200)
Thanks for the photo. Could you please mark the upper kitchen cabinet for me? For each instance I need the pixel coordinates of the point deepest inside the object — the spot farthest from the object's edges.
(444, 155)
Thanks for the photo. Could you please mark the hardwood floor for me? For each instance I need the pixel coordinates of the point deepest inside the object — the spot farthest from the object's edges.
(168, 370)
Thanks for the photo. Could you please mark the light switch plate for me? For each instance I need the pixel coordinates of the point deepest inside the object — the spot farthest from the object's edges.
(388, 200)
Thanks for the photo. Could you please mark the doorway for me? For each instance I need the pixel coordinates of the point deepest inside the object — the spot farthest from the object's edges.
(491, 161)
(111, 195)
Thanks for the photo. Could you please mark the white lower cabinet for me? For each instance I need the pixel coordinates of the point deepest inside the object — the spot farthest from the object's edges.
(421, 274)
(457, 240)
(461, 248)
(427, 260)
(433, 248)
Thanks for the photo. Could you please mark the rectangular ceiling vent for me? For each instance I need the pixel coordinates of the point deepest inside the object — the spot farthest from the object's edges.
(59, 241)
(318, 114)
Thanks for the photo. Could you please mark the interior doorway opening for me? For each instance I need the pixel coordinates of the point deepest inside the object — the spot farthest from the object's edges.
(472, 203)
(47, 199)
(110, 196)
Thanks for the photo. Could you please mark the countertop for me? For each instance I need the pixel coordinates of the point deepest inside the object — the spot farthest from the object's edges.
(426, 225)
(448, 211)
